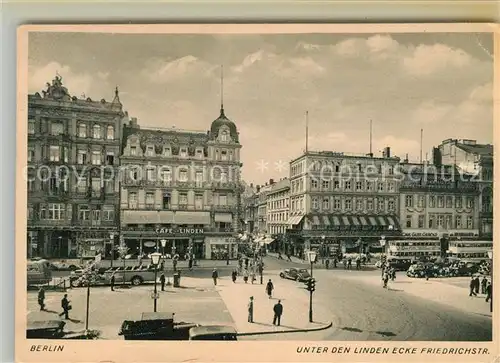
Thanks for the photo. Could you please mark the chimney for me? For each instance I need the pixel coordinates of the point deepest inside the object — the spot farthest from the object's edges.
(271, 181)
(258, 188)
(406, 159)
(436, 156)
(133, 122)
(386, 153)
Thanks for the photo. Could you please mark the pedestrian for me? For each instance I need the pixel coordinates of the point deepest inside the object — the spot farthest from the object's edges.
(289, 257)
(215, 275)
(472, 286)
(162, 266)
(278, 311)
(393, 274)
(65, 306)
(358, 263)
(41, 298)
(250, 310)
(349, 263)
(245, 276)
(252, 276)
(269, 288)
(174, 263)
(279, 256)
(162, 281)
(477, 284)
(112, 282)
(385, 279)
(190, 263)
(240, 263)
(234, 274)
(344, 262)
(335, 261)
(484, 283)
(489, 292)
(327, 263)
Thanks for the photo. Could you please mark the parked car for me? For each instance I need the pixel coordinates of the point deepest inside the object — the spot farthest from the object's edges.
(156, 326)
(301, 274)
(63, 266)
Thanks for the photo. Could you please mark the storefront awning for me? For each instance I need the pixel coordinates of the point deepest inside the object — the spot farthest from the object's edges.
(326, 221)
(182, 217)
(166, 217)
(141, 217)
(267, 240)
(295, 220)
(223, 217)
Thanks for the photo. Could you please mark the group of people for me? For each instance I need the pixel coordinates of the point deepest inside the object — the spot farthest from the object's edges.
(248, 269)
(388, 273)
(277, 308)
(483, 286)
(65, 303)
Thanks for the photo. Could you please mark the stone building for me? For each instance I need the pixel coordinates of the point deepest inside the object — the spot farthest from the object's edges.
(278, 199)
(73, 149)
(262, 193)
(182, 187)
(341, 201)
(250, 209)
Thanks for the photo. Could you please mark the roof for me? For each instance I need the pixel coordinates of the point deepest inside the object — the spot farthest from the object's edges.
(282, 184)
(479, 149)
(213, 329)
(222, 120)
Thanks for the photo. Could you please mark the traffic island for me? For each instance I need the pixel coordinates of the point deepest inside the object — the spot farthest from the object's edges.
(273, 329)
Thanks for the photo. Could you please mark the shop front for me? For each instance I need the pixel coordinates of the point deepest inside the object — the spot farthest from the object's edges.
(51, 243)
(221, 247)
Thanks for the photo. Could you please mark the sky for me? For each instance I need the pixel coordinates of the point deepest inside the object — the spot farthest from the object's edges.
(439, 82)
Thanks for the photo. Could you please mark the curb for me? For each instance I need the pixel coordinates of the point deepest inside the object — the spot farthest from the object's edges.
(324, 327)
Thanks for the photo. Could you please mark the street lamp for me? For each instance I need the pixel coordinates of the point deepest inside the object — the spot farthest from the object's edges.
(312, 259)
(163, 245)
(322, 251)
(155, 260)
(490, 256)
(112, 239)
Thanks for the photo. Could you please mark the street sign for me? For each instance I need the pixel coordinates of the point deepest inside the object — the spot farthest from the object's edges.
(155, 296)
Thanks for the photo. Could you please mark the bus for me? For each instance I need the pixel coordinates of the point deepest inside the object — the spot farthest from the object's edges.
(39, 272)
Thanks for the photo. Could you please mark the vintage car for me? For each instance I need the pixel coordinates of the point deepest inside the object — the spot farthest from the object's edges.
(135, 275)
(301, 274)
(156, 326)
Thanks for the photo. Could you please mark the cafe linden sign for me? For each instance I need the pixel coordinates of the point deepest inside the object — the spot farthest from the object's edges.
(187, 231)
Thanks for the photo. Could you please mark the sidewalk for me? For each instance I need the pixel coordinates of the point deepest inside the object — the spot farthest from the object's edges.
(293, 296)
(438, 290)
(320, 265)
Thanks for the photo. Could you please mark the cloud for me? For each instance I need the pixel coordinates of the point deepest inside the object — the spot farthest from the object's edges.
(77, 83)
(164, 71)
(426, 60)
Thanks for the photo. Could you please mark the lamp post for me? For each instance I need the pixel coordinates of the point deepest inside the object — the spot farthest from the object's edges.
(112, 240)
(383, 243)
(59, 245)
(163, 245)
(490, 256)
(155, 260)
(312, 259)
(322, 250)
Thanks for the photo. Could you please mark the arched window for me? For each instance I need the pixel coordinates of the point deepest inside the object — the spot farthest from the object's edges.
(82, 130)
(96, 132)
(224, 136)
(110, 134)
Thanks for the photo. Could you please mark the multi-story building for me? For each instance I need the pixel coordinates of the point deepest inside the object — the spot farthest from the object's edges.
(262, 193)
(73, 149)
(340, 200)
(250, 207)
(278, 199)
(477, 160)
(437, 205)
(182, 187)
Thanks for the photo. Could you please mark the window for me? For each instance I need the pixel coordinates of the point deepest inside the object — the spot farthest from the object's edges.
(390, 186)
(150, 150)
(110, 157)
(381, 205)
(391, 205)
(150, 174)
(224, 136)
(470, 202)
(222, 200)
(132, 200)
(30, 212)
(359, 185)
(337, 168)
(81, 157)
(440, 202)
(380, 186)
(458, 201)
(408, 221)
(360, 168)
(96, 185)
(183, 175)
(336, 184)
(96, 132)
(420, 201)
(108, 213)
(56, 128)
(166, 200)
(336, 204)
(223, 155)
(183, 199)
(449, 201)
(359, 204)
(109, 187)
(315, 203)
(470, 222)
(110, 133)
(54, 153)
(347, 185)
(431, 221)
(96, 215)
(409, 201)
(198, 201)
(150, 199)
(223, 177)
(183, 152)
(447, 221)
(166, 176)
(326, 203)
(314, 184)
(96, 158)
(82, 130)
(458, 222)
(31, 127)
(369, 186)
(199, 179)
(133, 150)
(81, 186)
(348, 204)
(83, 213)
(421, 221)
(66, 154)
(432, 201)
(53, 211)
(440, 220)
(325, 185)
(199, 153)
(31, 154)
(369, 204)
(167, 151)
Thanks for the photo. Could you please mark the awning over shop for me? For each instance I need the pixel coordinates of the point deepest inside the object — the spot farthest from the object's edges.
(141, 217)
(166, 217)
(267, 240)
(295, 220)
(223, 217)
(326, 221)
(182, 217)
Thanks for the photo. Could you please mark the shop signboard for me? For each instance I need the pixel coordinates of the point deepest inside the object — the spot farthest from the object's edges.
(180, 231)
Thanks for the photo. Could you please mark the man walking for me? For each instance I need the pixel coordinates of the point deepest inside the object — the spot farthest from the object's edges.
(234, 274)
(327, 263)
(484, 283)
(278, 311)
(162, 281)
(269, 288)
(215, 275)
(472, 286)
(250, 310)
(112, 282)
(489, 291)
(41, 298)
(65, 306)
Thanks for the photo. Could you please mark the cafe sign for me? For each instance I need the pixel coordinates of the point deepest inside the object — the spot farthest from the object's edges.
(176, 231)
(420, 234)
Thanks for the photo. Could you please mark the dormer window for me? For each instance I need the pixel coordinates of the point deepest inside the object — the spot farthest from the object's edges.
(183, 152)
(224, 136)
(167, 151)
(199, 153)
(150, 151)
(133, 150)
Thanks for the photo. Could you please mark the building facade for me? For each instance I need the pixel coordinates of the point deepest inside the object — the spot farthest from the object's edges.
(73, 150)
(183, 188)
(262, 193)
(341, 202)
(476, 160)
(278, 207)
(250, 204)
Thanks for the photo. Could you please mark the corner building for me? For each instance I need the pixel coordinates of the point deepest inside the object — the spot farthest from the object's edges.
(183, 187)
(73, 150)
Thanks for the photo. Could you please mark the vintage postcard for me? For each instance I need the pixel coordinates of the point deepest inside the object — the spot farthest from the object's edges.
(273, 192)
